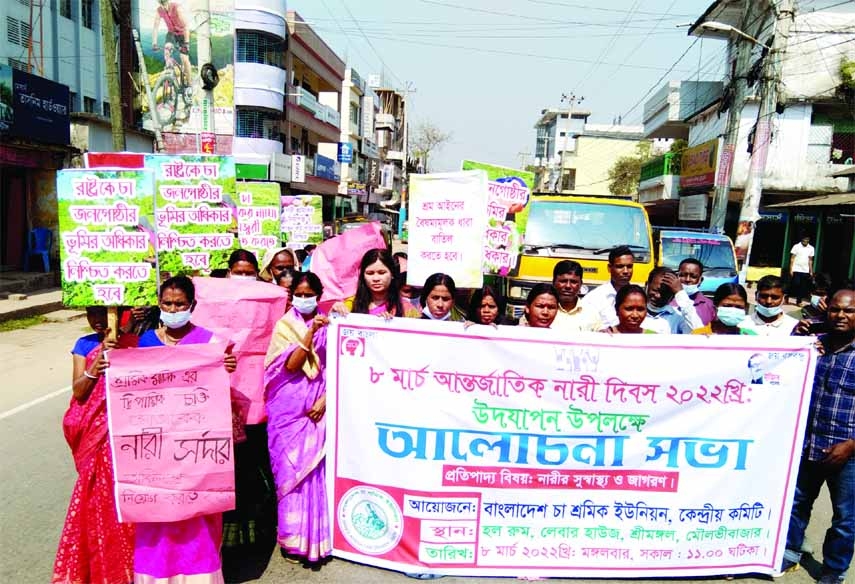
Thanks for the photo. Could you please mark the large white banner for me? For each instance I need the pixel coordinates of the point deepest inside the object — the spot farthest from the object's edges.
(447, 221)
(519, 451)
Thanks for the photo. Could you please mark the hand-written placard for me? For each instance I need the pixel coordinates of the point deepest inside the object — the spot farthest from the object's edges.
(517, 452)
(195, 224)
(170, 432)
(106, 243)
(447, 226)
(302, 220)
(258, 216)
(508, 193)
(245, 313)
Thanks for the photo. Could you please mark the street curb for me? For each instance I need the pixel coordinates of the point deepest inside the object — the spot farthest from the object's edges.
(28, 311)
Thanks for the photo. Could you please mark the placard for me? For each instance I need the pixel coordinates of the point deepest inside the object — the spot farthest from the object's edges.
(302, 220)
(258, 216)
(516, 452)
(196, 228)
(106, 237)
(447, 223)
(170, 425)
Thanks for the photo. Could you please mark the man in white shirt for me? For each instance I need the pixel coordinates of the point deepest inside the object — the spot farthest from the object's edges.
(679, 318)
(602, 299)
(801, 270)
(768, 318)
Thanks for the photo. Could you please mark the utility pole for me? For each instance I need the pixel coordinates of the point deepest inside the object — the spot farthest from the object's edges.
(409, 87)
(570, 99)
(523, 159)
(734, 115)
(769, 96)
(111, 66)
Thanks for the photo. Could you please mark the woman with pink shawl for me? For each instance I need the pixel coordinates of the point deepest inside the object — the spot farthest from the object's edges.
(295, 386)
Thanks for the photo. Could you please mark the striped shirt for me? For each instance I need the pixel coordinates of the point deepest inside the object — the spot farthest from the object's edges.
(831, 418)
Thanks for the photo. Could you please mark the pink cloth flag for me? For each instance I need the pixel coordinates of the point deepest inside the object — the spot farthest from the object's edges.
(244, 312)
(170, 432)
(336, 261)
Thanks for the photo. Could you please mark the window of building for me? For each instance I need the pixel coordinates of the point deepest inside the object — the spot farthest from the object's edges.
(17, 32)
(72, 101)
(253, 123)
(89, 104)
(568, 180)
(565, 116)
(105, 107)
(19, 65)
(65, 8)
(87, 10)
(260, 47)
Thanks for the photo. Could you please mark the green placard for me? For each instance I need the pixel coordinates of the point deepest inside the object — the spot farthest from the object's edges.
(302, 220)
(107, 237)
(196, 225)
(251, 171)
(258, 216)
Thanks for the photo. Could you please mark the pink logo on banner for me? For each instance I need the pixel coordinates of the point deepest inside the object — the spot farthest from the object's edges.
(245, 313)
(170, 432)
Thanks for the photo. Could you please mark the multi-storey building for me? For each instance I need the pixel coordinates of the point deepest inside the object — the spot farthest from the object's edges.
(312, 129)
(555, 135)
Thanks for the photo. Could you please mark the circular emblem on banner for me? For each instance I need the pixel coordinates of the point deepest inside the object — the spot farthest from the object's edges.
(370, 520)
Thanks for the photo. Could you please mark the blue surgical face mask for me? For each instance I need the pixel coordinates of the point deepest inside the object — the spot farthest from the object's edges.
(305, 305)
(768, 311)
(175, 320)
(653, 309)
(691, 289)
(730, 315)
(814, 300)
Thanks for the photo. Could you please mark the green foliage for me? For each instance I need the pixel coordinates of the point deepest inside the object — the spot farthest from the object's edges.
(21, 323)
(626, 171)
(677, 148)
(847, 73)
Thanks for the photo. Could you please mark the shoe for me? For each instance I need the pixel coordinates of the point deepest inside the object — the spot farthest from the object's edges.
(788, 566)
(832, 579)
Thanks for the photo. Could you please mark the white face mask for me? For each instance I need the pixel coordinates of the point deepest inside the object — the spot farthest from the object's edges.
(175, 320)
(769, 311)
(305, 305)
(426, 311)
(691, 289)
(242, 277)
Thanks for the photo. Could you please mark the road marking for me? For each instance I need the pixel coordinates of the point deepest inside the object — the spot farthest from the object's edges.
(34, 402)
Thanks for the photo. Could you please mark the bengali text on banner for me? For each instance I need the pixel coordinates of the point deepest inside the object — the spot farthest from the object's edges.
(170, 432)
(519, 452)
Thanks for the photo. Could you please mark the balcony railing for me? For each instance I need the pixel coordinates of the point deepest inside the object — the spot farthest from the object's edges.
(323, 113)
(662, 166)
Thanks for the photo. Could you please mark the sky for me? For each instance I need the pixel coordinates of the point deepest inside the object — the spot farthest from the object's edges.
(484, 69)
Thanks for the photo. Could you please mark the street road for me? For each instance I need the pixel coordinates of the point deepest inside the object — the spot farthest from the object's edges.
(38, 472)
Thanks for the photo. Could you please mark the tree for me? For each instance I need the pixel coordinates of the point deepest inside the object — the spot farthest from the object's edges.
(427, 139)
(626, 171)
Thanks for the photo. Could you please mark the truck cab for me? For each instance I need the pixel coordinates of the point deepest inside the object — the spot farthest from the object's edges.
(580, 228)
(714, 251)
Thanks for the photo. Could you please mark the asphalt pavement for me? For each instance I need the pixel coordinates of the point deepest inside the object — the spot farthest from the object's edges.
(38, 474)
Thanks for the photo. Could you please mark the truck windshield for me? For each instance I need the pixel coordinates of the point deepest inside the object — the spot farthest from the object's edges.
(586, 226)
(712, 253)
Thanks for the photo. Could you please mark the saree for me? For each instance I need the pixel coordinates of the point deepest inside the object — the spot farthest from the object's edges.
(179, 552)
(296, 443)
(94, 547)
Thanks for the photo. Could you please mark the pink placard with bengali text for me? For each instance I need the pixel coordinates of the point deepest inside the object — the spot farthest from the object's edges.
(245, 313)
(170, 432)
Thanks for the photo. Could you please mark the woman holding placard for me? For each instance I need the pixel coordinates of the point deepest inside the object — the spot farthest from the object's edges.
(94, 547)
(189, 550)
(295, 384)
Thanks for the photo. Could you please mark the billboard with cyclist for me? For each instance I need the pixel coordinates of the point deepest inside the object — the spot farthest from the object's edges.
(178, 38)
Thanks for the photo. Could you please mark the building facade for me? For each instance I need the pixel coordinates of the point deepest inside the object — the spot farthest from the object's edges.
(584, 167)
(556, 130)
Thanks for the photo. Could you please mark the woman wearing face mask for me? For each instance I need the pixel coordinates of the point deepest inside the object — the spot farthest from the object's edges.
(541, 306)
(438, 299)
(731, 302)
(377, 290)
(295, 385)
(180, 551)
(275, 262)
(243, 265)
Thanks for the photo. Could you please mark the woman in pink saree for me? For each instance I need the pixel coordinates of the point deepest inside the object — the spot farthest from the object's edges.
(187, 551)
(94, 547)
(378, 289)
(295, 386)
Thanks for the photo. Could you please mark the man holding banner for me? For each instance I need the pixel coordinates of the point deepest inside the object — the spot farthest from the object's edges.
(829, 449)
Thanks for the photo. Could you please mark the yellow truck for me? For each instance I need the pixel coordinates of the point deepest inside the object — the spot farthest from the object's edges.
(580, 228)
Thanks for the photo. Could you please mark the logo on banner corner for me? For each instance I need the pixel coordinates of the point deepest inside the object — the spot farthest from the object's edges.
(353, 346)
(370, 520)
